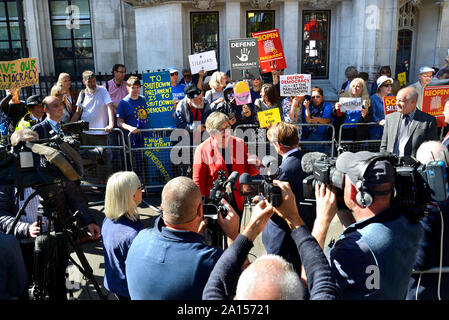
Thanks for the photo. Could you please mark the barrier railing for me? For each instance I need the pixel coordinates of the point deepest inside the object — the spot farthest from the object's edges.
(358, 145)
(325, 146)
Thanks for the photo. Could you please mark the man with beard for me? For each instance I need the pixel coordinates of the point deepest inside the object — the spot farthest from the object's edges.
(192, 111)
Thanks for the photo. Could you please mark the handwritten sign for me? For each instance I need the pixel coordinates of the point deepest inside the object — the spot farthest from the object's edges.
(390, 105)
(242, 93)
(350, 104)
(295, 85)
(433, 102)
(18, 73)
(271, 53)
(159, 164)
(157, 90)
(402, 78)
(268, 117)
(203, 61)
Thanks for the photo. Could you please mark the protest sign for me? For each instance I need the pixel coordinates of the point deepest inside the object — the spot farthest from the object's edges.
(243, 57)
(271, 54)
(157, 90)
(158, 156)
(433, 102)
(350, 104)
(203, 61)
(18, 73)
(295, 85)
(241, 93)
(268, 117)
(402, 78)
(390, 105)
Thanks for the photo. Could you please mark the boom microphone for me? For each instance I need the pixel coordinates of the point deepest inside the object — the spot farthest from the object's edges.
(309, 159)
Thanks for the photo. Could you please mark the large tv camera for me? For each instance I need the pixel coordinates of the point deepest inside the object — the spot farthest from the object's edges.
(416, 184)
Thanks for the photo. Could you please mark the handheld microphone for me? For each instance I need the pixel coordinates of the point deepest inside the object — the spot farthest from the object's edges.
(232, 179)
(309, 159)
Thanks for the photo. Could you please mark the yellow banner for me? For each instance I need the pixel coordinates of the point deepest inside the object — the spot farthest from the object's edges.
(18, 73)
(402, 78)
(269, 117)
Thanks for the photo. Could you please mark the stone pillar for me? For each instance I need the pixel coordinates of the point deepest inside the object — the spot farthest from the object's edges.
(232, 23)
(291, 36)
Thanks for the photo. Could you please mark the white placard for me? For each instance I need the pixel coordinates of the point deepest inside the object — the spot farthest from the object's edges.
(351, 104)
(203, 61)
(295, 85)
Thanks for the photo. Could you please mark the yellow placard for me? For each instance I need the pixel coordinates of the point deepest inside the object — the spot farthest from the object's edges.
(18, 73)
(269, 117)
(402, 78)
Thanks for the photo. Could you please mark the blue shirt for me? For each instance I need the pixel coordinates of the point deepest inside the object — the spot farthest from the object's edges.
(377, 104)
(117, 238)
(133, 113)
(322, 111)
(167, 264)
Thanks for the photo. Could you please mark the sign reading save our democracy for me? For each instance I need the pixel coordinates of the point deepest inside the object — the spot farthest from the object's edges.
(18, 73)
(295, 85)
(433, 102)
(271, 54)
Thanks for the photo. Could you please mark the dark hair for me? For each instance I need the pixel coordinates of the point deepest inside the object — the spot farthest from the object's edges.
(116, 66)
(383, 69)
(364, 76)
(271, 93)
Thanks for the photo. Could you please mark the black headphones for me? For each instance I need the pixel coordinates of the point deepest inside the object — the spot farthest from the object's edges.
(364, 197)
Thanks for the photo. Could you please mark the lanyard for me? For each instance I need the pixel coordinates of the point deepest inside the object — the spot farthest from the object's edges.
(55, 128)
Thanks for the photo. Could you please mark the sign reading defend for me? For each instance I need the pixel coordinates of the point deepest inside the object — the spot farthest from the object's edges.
(18, 73)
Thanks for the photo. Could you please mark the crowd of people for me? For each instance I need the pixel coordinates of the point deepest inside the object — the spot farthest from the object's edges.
(372, 259)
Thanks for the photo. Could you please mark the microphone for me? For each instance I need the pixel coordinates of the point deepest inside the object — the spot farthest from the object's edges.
(244, 178)
(232, 179)
(309, 159)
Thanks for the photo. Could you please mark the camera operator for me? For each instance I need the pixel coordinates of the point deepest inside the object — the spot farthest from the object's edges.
(276, 236)
(69, 200)
(374, 256)
(222, 151)
(170, 261)
(433, 247)
(270, 277)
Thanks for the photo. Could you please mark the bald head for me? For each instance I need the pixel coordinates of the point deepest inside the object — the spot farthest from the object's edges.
(180, 200)
(432, 150)
(269, 277)
(53, 108)
(406, 99)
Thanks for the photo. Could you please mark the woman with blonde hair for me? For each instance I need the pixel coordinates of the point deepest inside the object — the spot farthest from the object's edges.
(120, 226)
(59, 92)
(217, 83)
(70, 95)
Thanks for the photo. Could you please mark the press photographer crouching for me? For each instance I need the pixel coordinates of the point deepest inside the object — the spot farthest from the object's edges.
(60, 200)
(374, 256)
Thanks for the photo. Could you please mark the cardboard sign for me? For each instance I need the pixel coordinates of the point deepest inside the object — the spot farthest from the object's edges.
(433, 102)
(203, 61)
(158, 160)
(271, 54)
(243, 57)
(157, 90)
(390, 105)
(268, 117)
(402, 78)
(18, 73)
(350, 104)
(241, 93)
(295, 85)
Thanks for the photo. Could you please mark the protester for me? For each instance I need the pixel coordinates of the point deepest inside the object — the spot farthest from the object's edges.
(70, 94)
(374, 256)
(406, 130)
(170, 261)
(187, 78)
(58, 91)
(13, 108)
(116, 87)
(176, 88)
(424, 78)
(35, 113)
(217, 84)
(193, 110)
(269, 99)
(384, 89)
(443, 74)
(120, 226)
(365, 77)
(385, 71)
(317, 111)
(12, 268)
(350, 73)
(222, 151)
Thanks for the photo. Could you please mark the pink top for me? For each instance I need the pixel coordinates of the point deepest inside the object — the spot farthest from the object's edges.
(117, 93)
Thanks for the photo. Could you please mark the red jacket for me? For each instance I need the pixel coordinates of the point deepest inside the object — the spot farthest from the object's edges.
(208, 161)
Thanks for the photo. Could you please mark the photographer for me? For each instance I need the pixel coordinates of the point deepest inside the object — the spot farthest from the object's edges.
(270, 277)
(222, 151)
(374, 256)
(433, 247)
(69, 201)
(170, 261)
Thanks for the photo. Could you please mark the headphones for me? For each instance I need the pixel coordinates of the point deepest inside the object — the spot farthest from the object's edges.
(364, 197)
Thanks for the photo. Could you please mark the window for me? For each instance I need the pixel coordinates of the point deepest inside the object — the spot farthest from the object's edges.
(72, 36)
(315, 52)
(204, 32)
(407, 21)
(257, 21)
(10, 41)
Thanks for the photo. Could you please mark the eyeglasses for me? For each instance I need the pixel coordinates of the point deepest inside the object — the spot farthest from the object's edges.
(316, 97)
(174, 74)
(388, 85)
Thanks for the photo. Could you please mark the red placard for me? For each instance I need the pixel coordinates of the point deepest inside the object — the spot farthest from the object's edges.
(271, 54)
(390, 105)
(433, 102)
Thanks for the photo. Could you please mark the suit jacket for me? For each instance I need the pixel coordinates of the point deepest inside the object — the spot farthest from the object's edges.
(43, 128)
(422, 128)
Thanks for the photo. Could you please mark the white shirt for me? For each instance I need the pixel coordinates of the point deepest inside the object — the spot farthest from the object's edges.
(95, 109)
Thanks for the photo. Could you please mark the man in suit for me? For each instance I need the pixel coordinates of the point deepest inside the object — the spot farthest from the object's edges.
(51, 125)
(408, 128)
(276, 235)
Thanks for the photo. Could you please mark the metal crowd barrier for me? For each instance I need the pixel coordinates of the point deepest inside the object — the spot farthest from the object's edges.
(325, 146)
(358, 145)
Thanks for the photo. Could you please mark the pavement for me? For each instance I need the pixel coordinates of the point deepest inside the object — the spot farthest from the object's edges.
(82, 288)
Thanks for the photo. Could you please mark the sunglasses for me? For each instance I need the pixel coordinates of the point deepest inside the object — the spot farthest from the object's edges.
(174, 74)
(316, 97)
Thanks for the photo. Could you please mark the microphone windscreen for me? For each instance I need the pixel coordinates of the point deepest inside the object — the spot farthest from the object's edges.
(233, 177)
(309, 159)
(244, 178)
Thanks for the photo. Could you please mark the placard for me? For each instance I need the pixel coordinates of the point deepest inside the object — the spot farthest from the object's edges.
(243, 57)
(433, 102)
(402, 78)
(18, 73)
(390, 105)
(242, 93)
(295, 85)
(157, 90)
(271, 53)
(269, 117)
(206, 61)
(350, 104)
